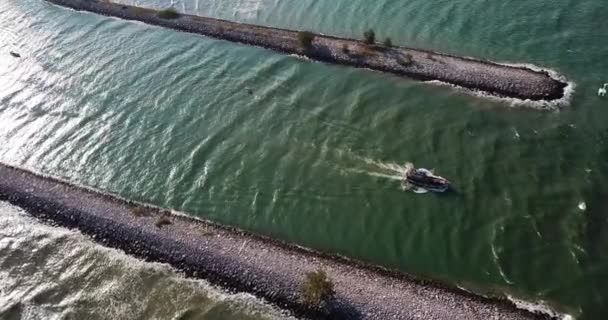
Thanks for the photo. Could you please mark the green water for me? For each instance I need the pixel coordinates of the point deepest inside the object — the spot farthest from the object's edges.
(165, 117)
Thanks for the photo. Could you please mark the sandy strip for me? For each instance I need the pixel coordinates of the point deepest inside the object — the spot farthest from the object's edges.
(244, 262)
(484, 76)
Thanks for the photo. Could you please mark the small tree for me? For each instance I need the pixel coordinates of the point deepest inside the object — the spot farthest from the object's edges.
(369, 36)
(317, 288)
(168, 13)
(388, 42)
(305, 39)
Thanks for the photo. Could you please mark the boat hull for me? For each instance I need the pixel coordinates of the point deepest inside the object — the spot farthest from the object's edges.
(425, 179)
(433, 188)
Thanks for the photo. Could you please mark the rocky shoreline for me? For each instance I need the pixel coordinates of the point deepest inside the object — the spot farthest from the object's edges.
(243, 262)
(477, 75)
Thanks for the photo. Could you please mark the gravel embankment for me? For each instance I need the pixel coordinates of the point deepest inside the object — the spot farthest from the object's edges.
(478, 75)
(244, 262)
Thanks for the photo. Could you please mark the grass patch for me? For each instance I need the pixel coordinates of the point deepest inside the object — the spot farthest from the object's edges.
(138, 211)
(141, 11)
(367, 51)
(317, 289)
(205, 232)
(168, 13)
(163, 220)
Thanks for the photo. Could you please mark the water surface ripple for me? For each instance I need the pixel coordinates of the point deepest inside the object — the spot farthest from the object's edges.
(166, 117)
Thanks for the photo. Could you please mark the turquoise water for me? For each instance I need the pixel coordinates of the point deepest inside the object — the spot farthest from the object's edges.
(313, 157)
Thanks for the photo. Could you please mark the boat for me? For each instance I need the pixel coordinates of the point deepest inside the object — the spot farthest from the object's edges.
(425, 179)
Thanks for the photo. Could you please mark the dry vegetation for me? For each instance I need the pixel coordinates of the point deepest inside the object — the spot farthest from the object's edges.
(317, 289)
(163, 220)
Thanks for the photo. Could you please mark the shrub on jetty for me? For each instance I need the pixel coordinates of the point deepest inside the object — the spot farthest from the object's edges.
(345, 49)
(388, 42)
(137, 211)
(206, 232)
(163, 220)
(369, 36)
(168, 13)
(305, 39)
(317, 289)
(405, 60)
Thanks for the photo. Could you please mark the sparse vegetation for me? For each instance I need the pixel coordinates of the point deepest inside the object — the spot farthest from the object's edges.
(405, 60)
(345, 49)
(163, 220)
(137, 211)
(142, 11)
(388, 42)
(367, 51)
(305, 38)
(168, 13)
(206, 232)
(317, 289)
(369, 36)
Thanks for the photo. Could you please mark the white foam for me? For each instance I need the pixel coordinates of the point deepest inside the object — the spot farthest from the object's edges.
(538, 307)
(299, 56)
(582, 206)
(498, 266)
(516, 133)
(379, 169)
(82, 256)
(515, 102)
(391, 171)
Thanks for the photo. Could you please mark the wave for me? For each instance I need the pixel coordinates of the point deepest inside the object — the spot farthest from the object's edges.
(539, 308)
(68, 275)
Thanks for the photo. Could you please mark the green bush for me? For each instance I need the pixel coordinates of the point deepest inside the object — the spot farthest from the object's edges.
(168, 13)
(305, 38)
(369, 36)
(317, 289)
(388, 42)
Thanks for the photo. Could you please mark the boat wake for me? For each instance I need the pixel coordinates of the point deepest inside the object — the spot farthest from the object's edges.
(390, 170)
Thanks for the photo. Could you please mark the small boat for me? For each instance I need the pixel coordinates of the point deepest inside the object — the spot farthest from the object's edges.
(15, 54)
(425, 179)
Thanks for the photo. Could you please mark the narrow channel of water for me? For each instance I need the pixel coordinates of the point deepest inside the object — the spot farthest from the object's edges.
(165, 117)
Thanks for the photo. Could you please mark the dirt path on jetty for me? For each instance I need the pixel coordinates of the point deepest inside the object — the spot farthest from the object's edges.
(495, 79)
(243, 262)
